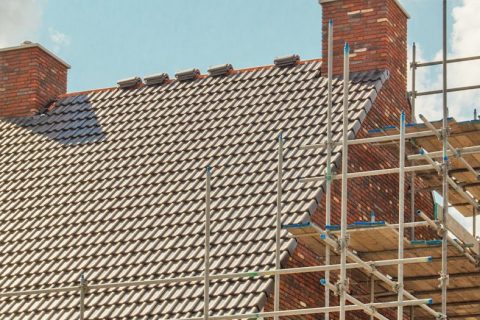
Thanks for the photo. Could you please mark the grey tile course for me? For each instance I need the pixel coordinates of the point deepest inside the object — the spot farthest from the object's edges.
(111, 183)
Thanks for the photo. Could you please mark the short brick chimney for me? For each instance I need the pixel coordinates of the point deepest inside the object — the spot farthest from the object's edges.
(376, 31)
(30, 78)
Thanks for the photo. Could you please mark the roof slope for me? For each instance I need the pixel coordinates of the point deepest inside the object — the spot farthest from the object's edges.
(112, 183)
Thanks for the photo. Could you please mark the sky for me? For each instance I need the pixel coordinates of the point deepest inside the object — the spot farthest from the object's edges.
(105, 41)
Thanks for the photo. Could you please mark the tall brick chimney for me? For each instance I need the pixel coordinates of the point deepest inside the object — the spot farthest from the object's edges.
(30, 78)
(376, 31)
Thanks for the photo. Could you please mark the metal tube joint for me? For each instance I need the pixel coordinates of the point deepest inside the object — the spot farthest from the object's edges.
(444, 279)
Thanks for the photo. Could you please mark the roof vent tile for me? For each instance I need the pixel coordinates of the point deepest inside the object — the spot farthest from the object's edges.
(287, 61)
(156, 79)
(128, 83)
(187, 75)
(220, 70)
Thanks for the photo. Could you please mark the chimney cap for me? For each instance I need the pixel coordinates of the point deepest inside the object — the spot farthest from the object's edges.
(29, 44)
(396, 1)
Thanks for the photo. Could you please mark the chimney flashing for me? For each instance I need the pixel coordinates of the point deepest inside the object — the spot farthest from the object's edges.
(28, 44)
(396, 1)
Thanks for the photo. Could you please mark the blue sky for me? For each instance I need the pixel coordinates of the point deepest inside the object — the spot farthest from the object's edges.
(108, 40)
(112, 39)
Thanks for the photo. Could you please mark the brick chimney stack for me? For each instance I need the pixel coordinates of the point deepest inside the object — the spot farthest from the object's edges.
(376, 31)
(30, 78)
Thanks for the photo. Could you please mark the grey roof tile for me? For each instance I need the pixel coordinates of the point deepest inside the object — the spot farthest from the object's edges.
(111, 183)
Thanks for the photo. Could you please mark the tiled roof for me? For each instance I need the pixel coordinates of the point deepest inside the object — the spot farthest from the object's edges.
(112, 183)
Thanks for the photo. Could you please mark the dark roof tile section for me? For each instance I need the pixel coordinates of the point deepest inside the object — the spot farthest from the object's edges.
(111, 183)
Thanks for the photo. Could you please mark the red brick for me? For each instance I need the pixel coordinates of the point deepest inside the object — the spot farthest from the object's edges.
(386, 43)
(31, 78)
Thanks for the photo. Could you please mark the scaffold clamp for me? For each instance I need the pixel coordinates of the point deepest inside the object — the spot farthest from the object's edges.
(444, 279)
(397, 286)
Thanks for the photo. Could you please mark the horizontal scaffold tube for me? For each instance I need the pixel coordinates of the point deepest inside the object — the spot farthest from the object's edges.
(451, 148)
(426, 93)
(297, 312)
(249, 274)
(383, 226)
(369, 269)
(360, 174)
(438, 154)
(436, 63)
(386, 138)
(451, 182)
(450, 240)
(370, 310)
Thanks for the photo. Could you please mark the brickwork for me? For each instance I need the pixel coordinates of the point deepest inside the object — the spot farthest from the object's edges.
(377, 32)
(30, 78)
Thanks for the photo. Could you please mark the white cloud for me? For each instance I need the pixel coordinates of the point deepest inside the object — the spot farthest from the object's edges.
(463, 41)
(59, 39)
(423, 82)
(19, 21)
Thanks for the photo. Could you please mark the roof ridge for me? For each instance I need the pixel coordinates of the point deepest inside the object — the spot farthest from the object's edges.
(201, 76)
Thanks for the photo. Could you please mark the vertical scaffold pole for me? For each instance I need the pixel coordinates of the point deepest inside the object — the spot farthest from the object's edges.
(413, 97)
(444, 276)
(343, 224)
(401, 215)
(276, 306)
(328, 200)
(413, 94)
(412, 204)
(372, 292)
(83, 287)
(474, 231)
(206, 273)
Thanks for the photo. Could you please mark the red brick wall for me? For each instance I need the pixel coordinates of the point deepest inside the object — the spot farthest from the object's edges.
(382, 31)
(30, 79)
(376, 31)
(379, 194)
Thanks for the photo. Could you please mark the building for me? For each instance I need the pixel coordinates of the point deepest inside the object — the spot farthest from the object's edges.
(108, 186)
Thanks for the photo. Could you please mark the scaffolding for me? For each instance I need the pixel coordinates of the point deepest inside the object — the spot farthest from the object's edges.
(344, 240)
